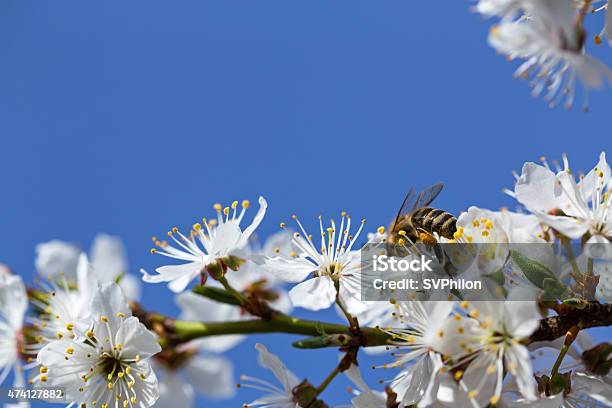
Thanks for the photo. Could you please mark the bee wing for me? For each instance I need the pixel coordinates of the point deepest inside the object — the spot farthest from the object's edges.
(406, 207)
(426, 196)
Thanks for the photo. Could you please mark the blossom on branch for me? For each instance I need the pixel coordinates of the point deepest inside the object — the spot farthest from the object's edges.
(221, 240)
(335, 267)
(109, 363)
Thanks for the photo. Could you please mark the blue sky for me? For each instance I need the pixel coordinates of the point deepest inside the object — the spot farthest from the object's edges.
(132, 117)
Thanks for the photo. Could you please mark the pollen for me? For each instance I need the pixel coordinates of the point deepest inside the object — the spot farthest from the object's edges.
(120, 315)
(90, 334)
(70, 350)
(472, 394)
(197, 227)
(226, 210)
(153, 250)
(43, 378)
(234, 205)
(110, 385)
(475, 224)
(458, 375)
(69, 326)
(440, 333)
(246, 204)
(485, 233)
(464, 304)
(598, 39)
(491, 369)
(104, 319)
(282, 225)
(494, 399)
(381, 230)
(474, 313)
(217, 207)
(402, 233)
(43, 370)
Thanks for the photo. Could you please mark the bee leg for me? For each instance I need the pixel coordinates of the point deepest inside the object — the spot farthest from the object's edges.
(426, 238)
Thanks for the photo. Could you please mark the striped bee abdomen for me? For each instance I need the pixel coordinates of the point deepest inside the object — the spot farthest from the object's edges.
(435, 220)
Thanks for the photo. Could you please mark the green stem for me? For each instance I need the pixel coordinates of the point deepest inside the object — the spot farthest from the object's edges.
(239, 297)
(569, 339)
(590, 267)
(349, 317)
(577, 275)
(279, 323)
(328, 380)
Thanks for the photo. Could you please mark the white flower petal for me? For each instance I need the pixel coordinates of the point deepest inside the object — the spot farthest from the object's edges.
(263, 205)
(274, 364)
(174, 392)
(108, 257)
(314, 294)
(54, 257)
(136, 339)
(211, 376)
(289, 269)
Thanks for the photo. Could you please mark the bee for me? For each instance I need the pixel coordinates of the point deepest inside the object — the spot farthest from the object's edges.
(417, 222)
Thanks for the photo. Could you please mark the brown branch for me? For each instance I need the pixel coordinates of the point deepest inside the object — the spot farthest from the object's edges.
(593, 314)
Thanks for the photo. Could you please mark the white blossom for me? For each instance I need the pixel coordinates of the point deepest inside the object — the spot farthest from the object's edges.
(65, 306)
(13, 306)
(490, 341)
(275, 397)
(107, 257)
(428, 334)
(108, 364)
(333, 263)
(187, 373)
(571, 207)
(208, 242)
(366, 397)
(55, 257)
(546, 36)
(507, 9)
(586, 391)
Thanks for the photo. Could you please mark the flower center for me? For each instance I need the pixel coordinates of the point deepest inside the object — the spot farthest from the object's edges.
(109, 365)
(332, 270)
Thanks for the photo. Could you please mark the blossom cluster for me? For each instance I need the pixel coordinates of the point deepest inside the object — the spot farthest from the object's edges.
(549, 35)
(85, 332)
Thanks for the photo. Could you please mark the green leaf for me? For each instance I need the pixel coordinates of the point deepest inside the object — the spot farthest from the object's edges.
(216, 294)
(534, 271)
